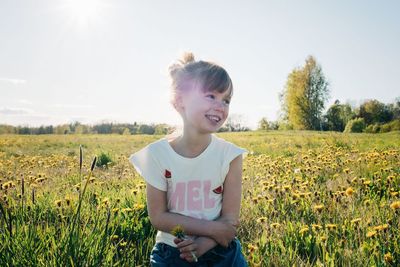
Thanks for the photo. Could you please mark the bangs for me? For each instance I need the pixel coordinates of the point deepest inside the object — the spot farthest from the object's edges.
(216, 79)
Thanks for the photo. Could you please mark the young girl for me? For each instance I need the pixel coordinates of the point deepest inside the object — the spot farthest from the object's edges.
(194, 180)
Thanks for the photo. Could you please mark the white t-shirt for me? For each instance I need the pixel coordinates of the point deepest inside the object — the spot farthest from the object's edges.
(194, 185)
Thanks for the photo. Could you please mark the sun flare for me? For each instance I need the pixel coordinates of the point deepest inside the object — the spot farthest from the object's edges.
(84, 13)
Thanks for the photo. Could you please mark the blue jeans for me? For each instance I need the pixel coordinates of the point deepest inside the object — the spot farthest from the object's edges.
(164, 255)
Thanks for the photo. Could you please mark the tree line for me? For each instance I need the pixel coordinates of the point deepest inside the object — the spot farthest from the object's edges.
(233, 124)
(79, 128)
(303, 103)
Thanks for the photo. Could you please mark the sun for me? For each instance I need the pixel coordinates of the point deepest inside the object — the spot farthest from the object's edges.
(84, 13)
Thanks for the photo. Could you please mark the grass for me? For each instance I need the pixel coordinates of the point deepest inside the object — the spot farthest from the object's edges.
(309, 199)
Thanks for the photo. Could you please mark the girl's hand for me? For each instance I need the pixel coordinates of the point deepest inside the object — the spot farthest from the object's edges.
(223, 233)
(188, 248)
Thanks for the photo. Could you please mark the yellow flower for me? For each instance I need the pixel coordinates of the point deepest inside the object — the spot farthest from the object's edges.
(303, 230)
(388, 257)
(331, 226)
(115, 210)
(127, 210)
(275, 225)
(395, 205)
(261, 219)
(318, 207)
(349, 191)
(58, 203)
(138, 206)
(178, 232)
(114, 237)
(252, 248)
(381, 227)
(367, 182)
(371, 233)
(316, 227)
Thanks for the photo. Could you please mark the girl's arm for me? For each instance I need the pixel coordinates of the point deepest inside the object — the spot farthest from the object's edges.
(222, 230)
(163, 220)
(231, 199)
(230, 205)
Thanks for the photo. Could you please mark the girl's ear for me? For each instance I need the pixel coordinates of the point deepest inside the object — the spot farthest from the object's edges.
(178, 103)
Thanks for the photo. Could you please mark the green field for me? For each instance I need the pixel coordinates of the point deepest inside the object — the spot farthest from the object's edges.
(309, 198)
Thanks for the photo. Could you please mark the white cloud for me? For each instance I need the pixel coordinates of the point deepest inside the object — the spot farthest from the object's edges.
(25, 101)
(13, 81)
(71, 106)
(15, 111)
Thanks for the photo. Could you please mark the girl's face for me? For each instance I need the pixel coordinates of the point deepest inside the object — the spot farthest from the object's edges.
(205, 111)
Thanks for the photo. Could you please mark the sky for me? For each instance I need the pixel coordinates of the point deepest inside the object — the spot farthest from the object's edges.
(100, 60)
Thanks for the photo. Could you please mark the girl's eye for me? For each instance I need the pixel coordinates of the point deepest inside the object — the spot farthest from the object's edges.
(210, 96)
(227, 102)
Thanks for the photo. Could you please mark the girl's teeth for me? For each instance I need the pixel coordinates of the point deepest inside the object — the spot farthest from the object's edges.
(214, 118)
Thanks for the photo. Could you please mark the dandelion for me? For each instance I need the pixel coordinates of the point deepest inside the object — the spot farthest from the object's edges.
(318, 208)
(262, 219)
(349, 191)
(316, 227)
(388, 257)
(382, 227)
(371, 233)
(127, 210)
(58, 203)
(252, 248)
(68, 201)
(395, 205)
(115, 211)
(275, 225)
(355, 221)
(114, 238)
(303, 230)
(138, 206)
(178, 232)
(368, 182)
(331, 226)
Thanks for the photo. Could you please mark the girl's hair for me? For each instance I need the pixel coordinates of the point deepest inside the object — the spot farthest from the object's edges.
(187, 73)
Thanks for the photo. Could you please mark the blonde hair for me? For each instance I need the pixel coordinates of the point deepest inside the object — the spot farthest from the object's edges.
(187, 73)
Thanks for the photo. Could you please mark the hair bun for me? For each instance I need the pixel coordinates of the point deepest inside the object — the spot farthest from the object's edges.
(187, 58)
(176, 67)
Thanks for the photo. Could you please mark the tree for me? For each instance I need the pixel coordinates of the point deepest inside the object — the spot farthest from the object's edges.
(356, 125)
(263, 124)
(235, 123)
(374, 111)
(338, 115)
(304, 96)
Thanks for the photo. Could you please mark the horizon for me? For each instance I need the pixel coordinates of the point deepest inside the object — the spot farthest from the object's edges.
(91, 61)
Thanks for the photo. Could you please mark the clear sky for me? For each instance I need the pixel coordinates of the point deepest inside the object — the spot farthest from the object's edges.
(88, 60)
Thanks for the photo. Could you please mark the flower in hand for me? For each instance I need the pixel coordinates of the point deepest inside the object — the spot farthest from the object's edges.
(186, 245)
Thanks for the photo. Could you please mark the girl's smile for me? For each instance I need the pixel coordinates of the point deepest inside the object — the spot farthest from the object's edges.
(206, 111)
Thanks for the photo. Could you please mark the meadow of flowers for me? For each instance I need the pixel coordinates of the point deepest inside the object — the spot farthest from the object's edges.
(309, 199)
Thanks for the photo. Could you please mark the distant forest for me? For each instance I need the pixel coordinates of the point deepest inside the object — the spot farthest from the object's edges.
(106, 128)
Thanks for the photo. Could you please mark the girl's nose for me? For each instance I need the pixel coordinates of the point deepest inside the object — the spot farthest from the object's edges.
(219, 105)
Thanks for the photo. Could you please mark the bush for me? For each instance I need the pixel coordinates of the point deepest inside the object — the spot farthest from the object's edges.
(373, 128)
(391, 126)
(103, 160)
(355, 126)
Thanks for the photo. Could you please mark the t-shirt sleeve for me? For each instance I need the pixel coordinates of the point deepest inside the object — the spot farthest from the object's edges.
(149, 168)
(231, 153)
